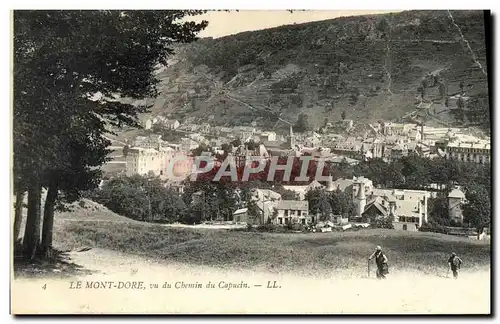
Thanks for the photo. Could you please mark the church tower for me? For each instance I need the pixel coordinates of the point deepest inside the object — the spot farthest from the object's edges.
(361, 198)
(329, 185)
(291, 139)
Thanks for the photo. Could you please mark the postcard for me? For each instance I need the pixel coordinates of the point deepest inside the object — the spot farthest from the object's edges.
(251, 162)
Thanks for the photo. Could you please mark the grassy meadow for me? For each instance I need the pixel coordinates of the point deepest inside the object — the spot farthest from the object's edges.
(302, 253)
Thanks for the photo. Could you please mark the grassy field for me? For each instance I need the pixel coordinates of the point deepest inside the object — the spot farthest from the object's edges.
(307, 254)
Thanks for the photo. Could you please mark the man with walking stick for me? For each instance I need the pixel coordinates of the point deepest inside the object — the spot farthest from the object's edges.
(454, 262)
(381, 261)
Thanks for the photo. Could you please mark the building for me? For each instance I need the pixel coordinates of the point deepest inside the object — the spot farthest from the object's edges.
(350, 147)
(267, 136)
(406, 208)
(187, 144)
(266, 201)
(240, 216)
(144, 160)
(301, 191)
(293, 211)
(478, 152)
(147, 160)
(397, 129)
(172, 124)
(152, 141)
(456, 200)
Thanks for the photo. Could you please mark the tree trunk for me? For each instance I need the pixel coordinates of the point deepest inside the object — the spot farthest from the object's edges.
(33, 220)
(18, 214)
(48, 217)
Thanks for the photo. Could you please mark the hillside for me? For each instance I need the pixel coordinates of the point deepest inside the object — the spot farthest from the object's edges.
(372, 67)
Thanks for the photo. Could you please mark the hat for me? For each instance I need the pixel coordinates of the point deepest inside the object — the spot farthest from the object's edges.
(453, 253)
(379, 248)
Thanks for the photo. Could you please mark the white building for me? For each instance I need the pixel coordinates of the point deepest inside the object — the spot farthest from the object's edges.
(293, 211)
(172, 124)
(407, 208)
(144, 160)
(267, 136)
(478, 152)
(456, 200)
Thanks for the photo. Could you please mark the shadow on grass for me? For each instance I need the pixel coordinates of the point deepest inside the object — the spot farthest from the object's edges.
(57, 266)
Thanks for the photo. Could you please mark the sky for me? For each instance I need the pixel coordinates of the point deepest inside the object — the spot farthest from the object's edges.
(223, 23)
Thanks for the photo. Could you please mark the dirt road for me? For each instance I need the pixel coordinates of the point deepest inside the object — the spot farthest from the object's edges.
(403, 291)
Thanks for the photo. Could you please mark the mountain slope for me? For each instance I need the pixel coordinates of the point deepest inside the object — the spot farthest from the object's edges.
(371, 67)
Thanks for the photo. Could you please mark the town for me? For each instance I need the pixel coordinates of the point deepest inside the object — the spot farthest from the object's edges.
(251, 162)
(336, 144)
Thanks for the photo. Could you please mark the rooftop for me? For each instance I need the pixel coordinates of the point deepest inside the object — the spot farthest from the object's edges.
(293, 205)
(456, 193)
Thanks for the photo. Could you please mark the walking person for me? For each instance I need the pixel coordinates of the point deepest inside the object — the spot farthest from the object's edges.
(381, 262)
(454, 262)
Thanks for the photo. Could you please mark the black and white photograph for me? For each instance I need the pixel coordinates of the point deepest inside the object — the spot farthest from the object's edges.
(251, 162)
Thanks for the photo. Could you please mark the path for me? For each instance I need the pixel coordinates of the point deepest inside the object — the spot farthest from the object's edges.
(404, 292)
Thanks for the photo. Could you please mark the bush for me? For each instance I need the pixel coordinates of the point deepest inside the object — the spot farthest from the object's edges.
(382, 222)
(271, 228)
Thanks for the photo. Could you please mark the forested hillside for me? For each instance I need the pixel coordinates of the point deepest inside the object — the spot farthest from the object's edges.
(370, 67)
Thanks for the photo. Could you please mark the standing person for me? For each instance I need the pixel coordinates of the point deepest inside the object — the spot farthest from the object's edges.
(455, 262)
(381, 261)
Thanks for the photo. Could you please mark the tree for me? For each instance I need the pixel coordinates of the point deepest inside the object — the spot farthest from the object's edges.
(253, 210)
(342, 204)
(251, 145)
(141, 198)
(319, 203)
(478, 111)
(353, 99)
(69, 66)
(288, 195)
(477, 210)
(302, 124)
(236, 142)
(438, 210)
(383, 25)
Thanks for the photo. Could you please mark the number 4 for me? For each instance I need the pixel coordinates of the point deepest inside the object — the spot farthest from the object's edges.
(44, 287)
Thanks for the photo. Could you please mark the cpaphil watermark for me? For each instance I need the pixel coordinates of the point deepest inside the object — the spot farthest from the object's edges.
(243, 168)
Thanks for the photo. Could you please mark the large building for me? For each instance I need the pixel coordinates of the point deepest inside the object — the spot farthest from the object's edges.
(478, 152)
(143, 161)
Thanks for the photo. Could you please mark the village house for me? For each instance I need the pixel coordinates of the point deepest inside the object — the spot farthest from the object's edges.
(456, 200)
(267, 136)
(205, 128)
(267, 202)
(406, 208)
(350, 148)
(171, 124)
(302, 191)
(189, 127)
(187, 144)
(293, 211)
(152, 141)
(398, 151)
(240, 216)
